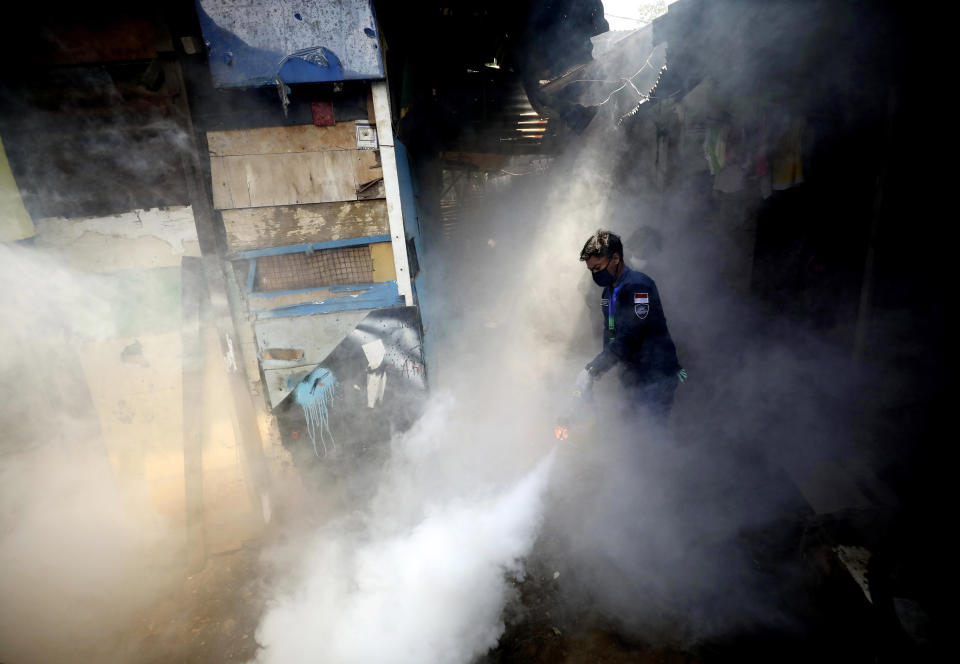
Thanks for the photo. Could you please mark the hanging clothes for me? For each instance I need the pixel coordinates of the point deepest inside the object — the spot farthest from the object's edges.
(724, 150)
(715, 147)
(786, 158)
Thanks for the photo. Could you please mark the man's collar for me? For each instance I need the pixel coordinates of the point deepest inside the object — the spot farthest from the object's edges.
(622, 275)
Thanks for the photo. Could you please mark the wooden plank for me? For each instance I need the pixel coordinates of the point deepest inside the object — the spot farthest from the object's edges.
(193, 293)
(220, 184)
(368, 166)
(272, 140)
(369, 175)
(372, 190)
(284, 179)
(277, 226)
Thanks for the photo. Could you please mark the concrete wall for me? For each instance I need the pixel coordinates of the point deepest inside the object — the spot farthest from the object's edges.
(134, 369)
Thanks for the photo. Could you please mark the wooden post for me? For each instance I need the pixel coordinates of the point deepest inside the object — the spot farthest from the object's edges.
(247, 431)
(191, 295)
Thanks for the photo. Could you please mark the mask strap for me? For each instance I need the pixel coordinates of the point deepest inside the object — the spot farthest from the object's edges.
(611, 304)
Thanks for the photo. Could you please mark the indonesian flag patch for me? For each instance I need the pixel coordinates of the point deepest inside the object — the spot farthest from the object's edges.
(641, 304)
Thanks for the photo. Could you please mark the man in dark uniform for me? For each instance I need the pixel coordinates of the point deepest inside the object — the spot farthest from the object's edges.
(635, 334)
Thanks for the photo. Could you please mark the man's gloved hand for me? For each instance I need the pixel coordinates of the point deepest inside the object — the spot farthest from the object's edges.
(584, 384)
(682, 375)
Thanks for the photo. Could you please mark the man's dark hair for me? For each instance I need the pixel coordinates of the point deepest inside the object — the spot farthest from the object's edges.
(602, 243)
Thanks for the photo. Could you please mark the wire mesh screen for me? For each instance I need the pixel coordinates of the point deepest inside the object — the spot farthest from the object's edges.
(328, 267)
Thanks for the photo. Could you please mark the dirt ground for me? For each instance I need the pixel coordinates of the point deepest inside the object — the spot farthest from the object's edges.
(214, 615)
(212, 618)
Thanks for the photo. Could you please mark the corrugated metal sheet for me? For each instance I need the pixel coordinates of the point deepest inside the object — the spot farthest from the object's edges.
(251, 43)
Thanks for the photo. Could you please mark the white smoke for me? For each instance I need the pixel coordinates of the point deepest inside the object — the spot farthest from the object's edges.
(77, 559)
(81, 551)
(424, 574)
(645, 524)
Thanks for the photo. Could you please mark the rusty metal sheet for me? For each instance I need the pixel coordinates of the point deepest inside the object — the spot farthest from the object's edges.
(251, 43)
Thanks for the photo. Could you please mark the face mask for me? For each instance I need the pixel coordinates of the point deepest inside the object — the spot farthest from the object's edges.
(603, 278)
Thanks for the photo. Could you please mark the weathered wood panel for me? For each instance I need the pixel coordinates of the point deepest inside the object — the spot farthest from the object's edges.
(369, 175)
(271, 140)
(267, 227)
(284, 179)
(372, 190)
(368, 166)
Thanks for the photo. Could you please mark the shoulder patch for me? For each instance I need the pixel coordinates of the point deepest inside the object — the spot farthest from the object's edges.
(641, 310)
(641, 298)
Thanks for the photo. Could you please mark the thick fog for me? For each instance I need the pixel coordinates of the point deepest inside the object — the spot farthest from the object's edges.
(81, 550)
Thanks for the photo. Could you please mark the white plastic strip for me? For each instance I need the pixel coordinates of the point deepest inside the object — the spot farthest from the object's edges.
(381, 107)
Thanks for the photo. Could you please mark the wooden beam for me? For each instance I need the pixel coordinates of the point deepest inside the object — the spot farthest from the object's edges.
(273, 140)
(277, 226)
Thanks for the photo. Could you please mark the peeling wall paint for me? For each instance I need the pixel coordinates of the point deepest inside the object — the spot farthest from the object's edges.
(132, 240)
(115, 301)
